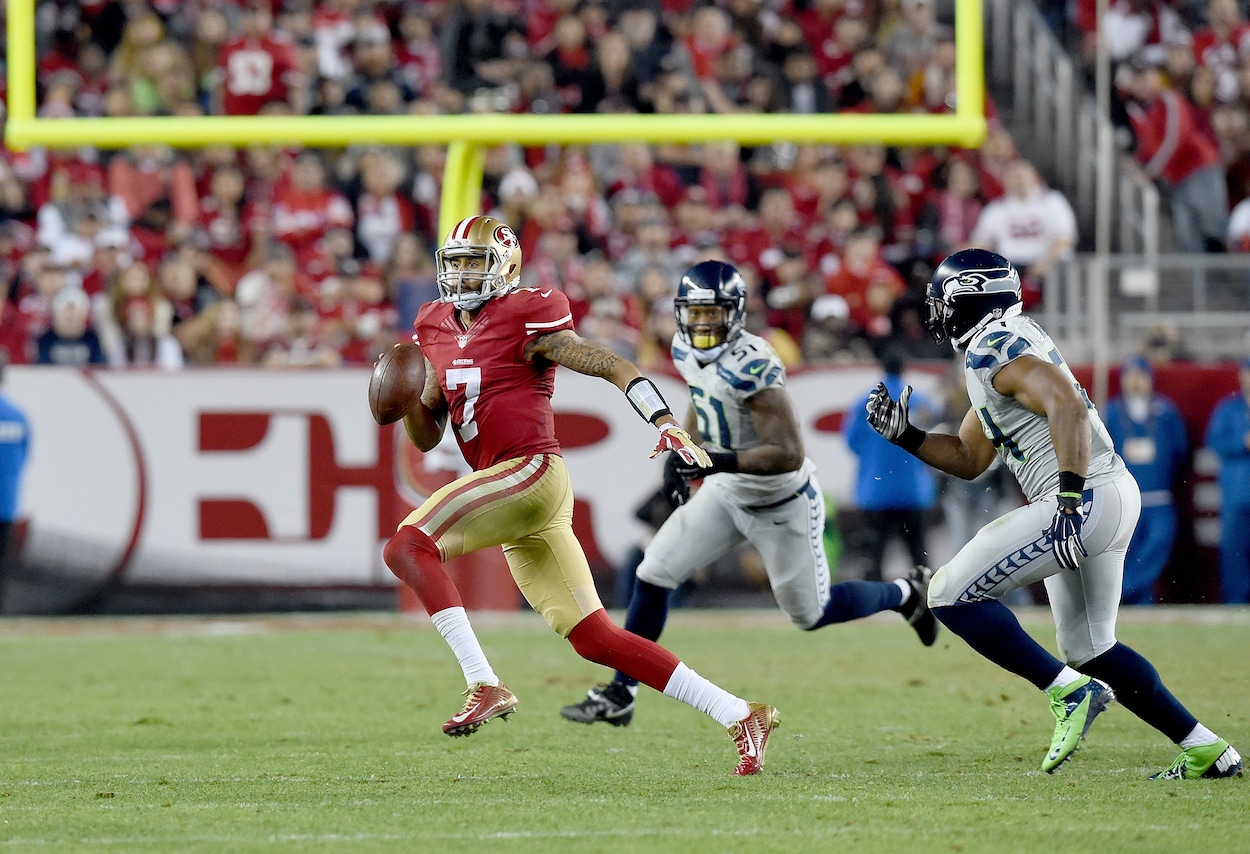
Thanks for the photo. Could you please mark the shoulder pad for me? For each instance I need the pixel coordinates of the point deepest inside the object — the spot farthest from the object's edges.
(751, 365)
(996, 347)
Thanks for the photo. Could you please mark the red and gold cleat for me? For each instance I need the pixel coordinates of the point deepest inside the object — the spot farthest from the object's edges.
(750, 736)
(484, 703)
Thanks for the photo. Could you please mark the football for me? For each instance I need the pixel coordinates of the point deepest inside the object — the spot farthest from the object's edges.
(396, 384)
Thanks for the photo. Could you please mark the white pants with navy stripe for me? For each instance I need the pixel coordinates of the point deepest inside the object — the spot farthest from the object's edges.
(789, 538)
(1013, 552)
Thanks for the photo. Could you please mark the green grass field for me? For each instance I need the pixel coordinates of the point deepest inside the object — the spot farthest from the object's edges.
(322, 734)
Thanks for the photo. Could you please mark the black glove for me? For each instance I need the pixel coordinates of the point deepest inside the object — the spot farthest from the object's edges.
(1065, 532)
(721, 461)
(676, 490)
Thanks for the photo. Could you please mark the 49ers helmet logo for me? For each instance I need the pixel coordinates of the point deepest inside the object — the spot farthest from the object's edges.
(506, 238)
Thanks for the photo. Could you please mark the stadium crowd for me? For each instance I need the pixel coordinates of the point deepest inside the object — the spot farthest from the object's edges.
(282, 256)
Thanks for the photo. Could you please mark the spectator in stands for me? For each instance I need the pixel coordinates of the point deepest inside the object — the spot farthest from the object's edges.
(867, 283)
(382, 212)
(1149, 434)
(1175, 152)
(304, 207)
(911, 45)
(652, 250)
(141, 345)
(1031, 226)
(951, 212)
(70, 341)
(1221, 45)
(480, 46)
(157, 188)
(829, 335)
(1228, 435)
(259, 67)
(892, 489)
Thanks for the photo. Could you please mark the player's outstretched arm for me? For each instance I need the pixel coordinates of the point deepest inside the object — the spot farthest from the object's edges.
(566, 347)
(591, 358)
(1045, 389)
(426, 421)
(966, 455)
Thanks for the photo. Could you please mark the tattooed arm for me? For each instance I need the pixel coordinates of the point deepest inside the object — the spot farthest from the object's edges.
(567, 348)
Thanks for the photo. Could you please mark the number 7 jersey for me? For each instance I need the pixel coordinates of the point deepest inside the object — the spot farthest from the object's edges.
(1021, 436)
(498, 402)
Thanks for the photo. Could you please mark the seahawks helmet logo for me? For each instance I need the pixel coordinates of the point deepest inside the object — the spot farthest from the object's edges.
(980, 282)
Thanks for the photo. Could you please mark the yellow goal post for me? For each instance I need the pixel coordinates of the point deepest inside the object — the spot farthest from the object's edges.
(467, 135)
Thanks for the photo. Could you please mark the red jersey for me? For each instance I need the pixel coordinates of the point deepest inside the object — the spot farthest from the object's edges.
(255, 72)
(499, 402)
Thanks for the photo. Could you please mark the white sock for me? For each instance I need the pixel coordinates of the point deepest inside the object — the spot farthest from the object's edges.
(1199, 736)
(1066, 677)
(714, 701)
(453, 625)
(906, 588)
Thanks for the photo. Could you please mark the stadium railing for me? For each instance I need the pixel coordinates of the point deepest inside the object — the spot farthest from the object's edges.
(1054, 119)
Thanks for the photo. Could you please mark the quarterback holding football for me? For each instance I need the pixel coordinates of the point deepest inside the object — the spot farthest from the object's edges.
(491, 351)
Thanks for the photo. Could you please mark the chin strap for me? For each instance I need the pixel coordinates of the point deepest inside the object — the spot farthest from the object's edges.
(1010, 311)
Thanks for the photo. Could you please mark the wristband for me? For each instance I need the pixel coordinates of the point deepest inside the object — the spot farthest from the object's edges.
(723, 461)
(911, 439)
(646, 400)
(1071, 484)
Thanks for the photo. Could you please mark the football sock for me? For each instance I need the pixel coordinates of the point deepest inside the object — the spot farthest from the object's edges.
(693, 690)
(991, 629)
(648, 612)
(907, 591)
(851, 600)
(1200, 736)
(1066, 677)
(598, 639)
(415, 560)
(1138, 687)
(453, 625)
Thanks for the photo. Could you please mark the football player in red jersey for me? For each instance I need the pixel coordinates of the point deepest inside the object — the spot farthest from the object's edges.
(491, 352)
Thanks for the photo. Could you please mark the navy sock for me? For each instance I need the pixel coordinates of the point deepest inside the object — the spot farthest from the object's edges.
(1138, 686)
(851, 600)
(991, 629)
(648, 612)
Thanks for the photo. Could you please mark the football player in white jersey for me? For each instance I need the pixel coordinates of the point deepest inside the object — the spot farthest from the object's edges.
(760, 488)
(1083, 504)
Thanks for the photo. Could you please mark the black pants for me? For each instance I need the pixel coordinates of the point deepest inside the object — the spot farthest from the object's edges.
(880, 526)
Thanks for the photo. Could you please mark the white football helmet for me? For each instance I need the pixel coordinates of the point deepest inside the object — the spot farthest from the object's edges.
(490, 242)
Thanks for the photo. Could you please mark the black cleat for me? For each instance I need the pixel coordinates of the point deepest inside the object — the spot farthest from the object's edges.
(916, 609)
(611, 703)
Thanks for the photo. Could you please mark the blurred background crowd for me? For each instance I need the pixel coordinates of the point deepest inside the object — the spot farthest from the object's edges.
(283, 256)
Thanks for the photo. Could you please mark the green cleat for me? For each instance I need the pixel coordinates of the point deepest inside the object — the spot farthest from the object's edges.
(1075, 706)
(1212, 761)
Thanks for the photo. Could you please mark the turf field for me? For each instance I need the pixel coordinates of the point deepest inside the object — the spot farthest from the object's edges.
(322, 734)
